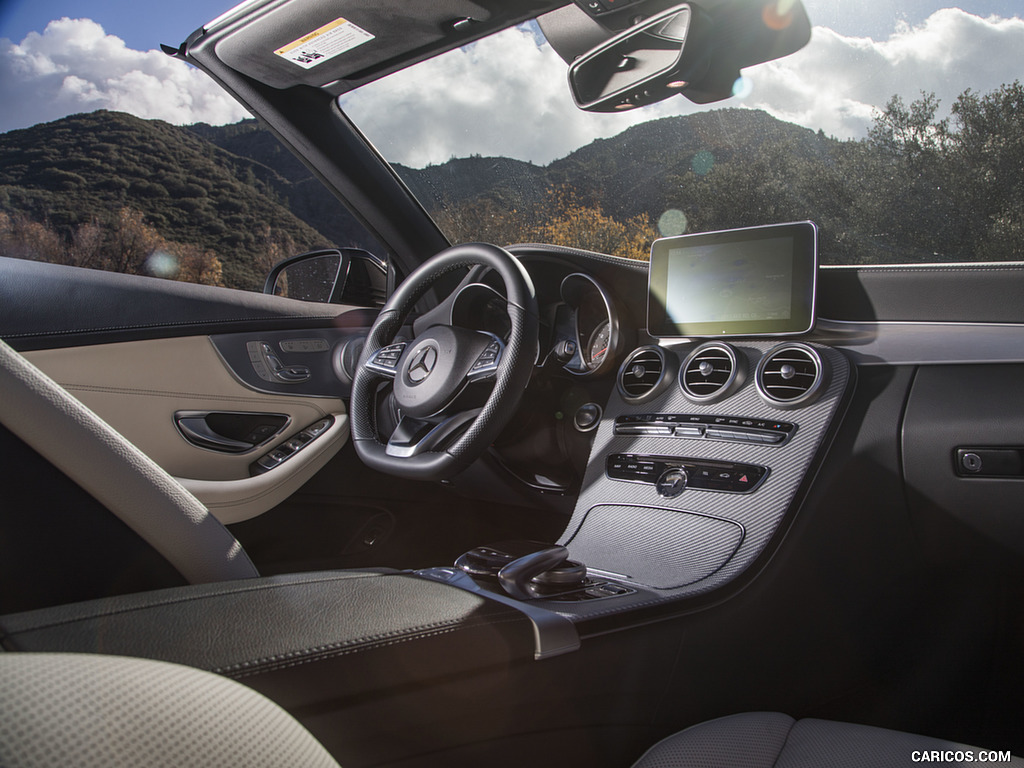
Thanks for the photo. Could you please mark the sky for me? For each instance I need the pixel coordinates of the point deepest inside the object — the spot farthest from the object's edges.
(58, 57)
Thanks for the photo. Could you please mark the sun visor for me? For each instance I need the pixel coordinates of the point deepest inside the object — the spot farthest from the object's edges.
(310, 42)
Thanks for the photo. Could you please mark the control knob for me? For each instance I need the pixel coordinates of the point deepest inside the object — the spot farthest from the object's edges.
(671, 483)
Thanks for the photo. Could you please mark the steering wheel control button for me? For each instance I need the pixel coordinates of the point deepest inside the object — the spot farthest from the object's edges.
(488, 360)
(700, 474)
(587, 417)
(671, 483)
(385, 360)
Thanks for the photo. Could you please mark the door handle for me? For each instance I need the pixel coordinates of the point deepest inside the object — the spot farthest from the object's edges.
(229, 432)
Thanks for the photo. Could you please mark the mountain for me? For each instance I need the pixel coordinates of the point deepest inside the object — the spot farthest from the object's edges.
(293, 182)
(627, 173)
(85, 168)
(630, 169)
(236, 192)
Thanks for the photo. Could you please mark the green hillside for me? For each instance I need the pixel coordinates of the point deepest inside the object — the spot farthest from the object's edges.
(85, 168)
(295, 185)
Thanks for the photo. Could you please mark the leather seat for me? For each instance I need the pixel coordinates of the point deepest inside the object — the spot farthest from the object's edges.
(774, 740)
(116, 712)
(111, 711)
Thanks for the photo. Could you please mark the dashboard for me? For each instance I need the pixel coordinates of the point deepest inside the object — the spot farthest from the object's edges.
(693, 450)
(675, 460)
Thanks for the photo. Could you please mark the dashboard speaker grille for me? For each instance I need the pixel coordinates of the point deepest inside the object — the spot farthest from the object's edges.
(790, 374)
(708, 372)
(642, 373)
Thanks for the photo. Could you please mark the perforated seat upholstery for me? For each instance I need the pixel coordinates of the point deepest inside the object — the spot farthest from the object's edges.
(91, 710)
(60, 709)
(773, 740)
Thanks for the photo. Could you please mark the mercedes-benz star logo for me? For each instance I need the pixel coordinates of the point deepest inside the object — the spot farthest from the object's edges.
(422, 364)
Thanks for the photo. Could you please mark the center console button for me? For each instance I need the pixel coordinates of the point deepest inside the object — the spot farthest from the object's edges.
(671, 483)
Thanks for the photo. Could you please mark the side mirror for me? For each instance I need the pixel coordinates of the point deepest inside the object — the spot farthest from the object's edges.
(651, 61)
(331, 276)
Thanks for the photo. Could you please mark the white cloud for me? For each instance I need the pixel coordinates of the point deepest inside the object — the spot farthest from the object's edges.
(503, 95)
(74, 66)
(506, 96)
(836, 83)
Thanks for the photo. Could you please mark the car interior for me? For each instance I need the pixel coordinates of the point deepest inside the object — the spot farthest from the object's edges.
(510, 504)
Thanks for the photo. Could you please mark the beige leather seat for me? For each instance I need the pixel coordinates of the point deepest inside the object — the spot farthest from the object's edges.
(63, 709)
(90, 710)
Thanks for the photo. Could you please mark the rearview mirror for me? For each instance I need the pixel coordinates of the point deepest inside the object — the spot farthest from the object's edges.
(651, 61)
(620, 58)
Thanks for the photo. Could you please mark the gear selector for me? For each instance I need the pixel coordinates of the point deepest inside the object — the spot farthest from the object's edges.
(530, 570)
(517, 577)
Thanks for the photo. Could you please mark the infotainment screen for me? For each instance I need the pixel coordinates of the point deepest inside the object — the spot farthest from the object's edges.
(757, 281)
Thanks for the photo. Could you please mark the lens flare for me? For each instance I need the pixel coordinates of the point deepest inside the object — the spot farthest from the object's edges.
(702, 163)
(742, 88)
(672, 222)
(161, 264)
(777, 15)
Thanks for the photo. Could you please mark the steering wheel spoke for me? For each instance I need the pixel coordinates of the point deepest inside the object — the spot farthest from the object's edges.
(415, 436)
(385, 360)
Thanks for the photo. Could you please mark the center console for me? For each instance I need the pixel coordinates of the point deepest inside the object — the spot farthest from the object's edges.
(701, 451)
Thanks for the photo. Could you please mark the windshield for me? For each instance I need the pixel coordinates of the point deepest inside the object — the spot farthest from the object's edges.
(899, 132)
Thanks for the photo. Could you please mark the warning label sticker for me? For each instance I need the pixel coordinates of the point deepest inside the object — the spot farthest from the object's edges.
(324, 44)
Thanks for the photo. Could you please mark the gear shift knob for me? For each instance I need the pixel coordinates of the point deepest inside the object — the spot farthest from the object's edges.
(515, 577)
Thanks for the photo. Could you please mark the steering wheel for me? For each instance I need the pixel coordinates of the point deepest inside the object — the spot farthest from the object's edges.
(429, 372)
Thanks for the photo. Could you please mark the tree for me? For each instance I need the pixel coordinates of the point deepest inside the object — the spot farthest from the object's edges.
(987, 159)
(587, 226)
(22, 238)
(130, 243)
(196, 265)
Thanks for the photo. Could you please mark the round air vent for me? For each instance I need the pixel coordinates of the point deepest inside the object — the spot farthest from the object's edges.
(642, 374)
(790, 375)
(709, 372)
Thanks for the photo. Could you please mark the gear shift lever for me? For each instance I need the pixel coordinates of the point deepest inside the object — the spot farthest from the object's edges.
(515, 576)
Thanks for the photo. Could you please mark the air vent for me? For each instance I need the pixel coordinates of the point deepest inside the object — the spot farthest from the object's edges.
(790, 375)
(642, 374)
(709, 372)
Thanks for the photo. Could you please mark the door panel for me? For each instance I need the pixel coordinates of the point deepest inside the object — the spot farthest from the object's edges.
(139, 386)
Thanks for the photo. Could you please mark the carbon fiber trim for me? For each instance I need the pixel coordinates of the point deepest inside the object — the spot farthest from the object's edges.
(634, 543)
(653, 547)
